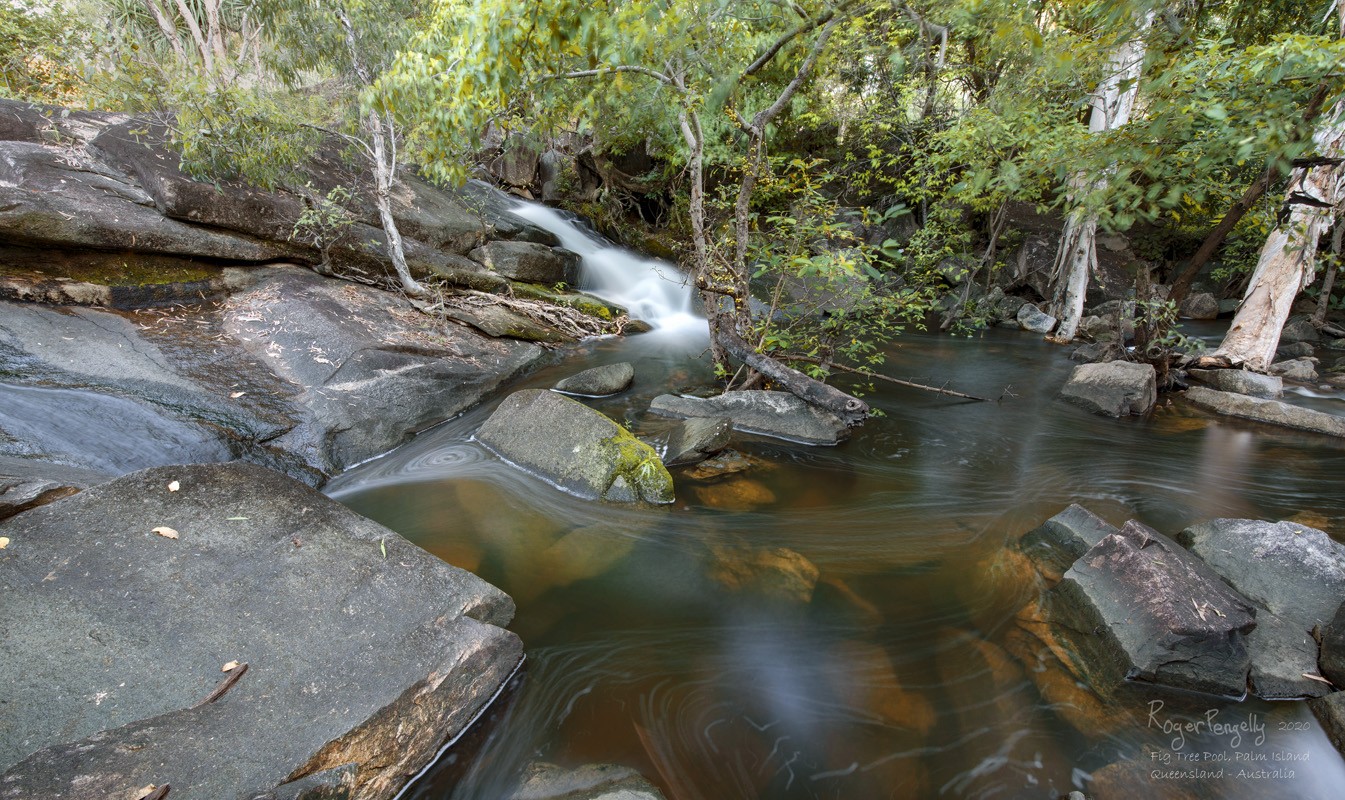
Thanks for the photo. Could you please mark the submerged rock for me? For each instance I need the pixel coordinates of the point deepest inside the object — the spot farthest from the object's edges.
(575, 448)
(1240, 381)
(777, 414)
(1114, 388)
(1272, 412)
(599, 381)
(1137, 606)
(361, 648)
(1059, 541)
(777, 573)
(543, 781)
(697, 438)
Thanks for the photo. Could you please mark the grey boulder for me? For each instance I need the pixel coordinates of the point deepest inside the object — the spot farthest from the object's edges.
(697, 438)
(1114, 388)
(1295, 369)
(1332, 658)
(528, 261)
(1059, 541)
(1272, 412)
(1240, 381)
(777, 414)
(599, 381)
(1295, 571)
(1299, 329)
(575, 448)
(1031, 318)
(361, 648)
(1201, 305)
(1137, 606)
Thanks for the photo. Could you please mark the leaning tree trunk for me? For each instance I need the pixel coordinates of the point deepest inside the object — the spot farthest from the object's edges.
(1287, 263)
(1288, 260)
(1076, 257)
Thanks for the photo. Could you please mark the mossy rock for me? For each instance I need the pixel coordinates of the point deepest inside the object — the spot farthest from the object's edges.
(584, 303)
(576, 449)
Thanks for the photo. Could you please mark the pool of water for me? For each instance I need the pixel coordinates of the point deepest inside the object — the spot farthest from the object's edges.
(691, 643)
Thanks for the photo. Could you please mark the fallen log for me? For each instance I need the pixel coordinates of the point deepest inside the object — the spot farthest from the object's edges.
(848, 407)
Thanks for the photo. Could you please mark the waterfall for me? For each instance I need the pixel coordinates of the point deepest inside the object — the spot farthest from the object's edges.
(652, 290)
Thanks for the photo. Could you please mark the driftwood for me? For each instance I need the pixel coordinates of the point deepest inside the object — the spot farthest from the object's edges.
(911, 384)
(847, 407)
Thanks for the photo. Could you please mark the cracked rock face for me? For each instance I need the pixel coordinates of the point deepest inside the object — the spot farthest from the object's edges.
(362, 649)
(1137, 606)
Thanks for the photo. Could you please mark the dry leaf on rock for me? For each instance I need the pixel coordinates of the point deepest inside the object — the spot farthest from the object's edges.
(174, 486)
(230, 667)
(4, 542)
(165, 532)
(236, 395)
(145, 792)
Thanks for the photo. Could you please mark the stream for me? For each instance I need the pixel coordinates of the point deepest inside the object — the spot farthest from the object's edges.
(677, 640)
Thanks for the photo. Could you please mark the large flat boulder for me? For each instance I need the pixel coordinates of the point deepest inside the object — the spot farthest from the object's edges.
(361, 648)
(777, 414)
(529, 262)
(1113, 388)
(575, 448)
(1137, 606)
(1295, 571)
(1271, 412)
(599, 381)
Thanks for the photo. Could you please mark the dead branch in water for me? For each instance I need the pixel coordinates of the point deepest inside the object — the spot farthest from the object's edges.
(869, 374)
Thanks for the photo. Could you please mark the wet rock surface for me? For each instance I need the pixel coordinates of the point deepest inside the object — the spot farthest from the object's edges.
(361, 648)
(777, 414)
(1137, 606)
(575, 448)
(1059, 541)
(1271, 412)
(543, 781)
(1333, 648)
(294, 371)
(1240, 381)
(697, 438)
(599, 381)
(1114, 388)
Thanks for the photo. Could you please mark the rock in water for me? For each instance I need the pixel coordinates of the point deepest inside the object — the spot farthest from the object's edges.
(599, 381)
(543, 781)
(1137, 606)
(1272, 412)
(575, 448)
(362, 648)
(1295, 571)
(778, 414)
(696, 439)
(1060, 540)
(1201, 305)
(1333, 648)
(1303, 370)
(1115, 388)
(1240, 381)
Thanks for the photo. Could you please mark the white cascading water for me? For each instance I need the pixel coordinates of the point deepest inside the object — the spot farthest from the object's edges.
(652, 290)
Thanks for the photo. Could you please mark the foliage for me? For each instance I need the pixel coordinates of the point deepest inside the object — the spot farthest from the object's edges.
(40, 45)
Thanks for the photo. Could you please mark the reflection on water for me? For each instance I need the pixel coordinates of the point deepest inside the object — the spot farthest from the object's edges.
(839, 622)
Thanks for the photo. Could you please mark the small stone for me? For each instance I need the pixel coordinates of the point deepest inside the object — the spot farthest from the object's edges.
(1201, 305)
(1299, 329)
(1295, 350)
(1297, 369)
(599, 381)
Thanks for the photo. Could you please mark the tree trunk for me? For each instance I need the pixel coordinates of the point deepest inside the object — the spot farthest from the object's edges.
(1329, 279)
(385, 174)
(1076, 257)
(1182, 285)
(849, 408)
(1287, 263)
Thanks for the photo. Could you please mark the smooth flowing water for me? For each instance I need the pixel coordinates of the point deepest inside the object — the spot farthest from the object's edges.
(683, 641)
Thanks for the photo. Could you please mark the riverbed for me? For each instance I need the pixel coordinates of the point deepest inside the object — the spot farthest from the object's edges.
(676, 639)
